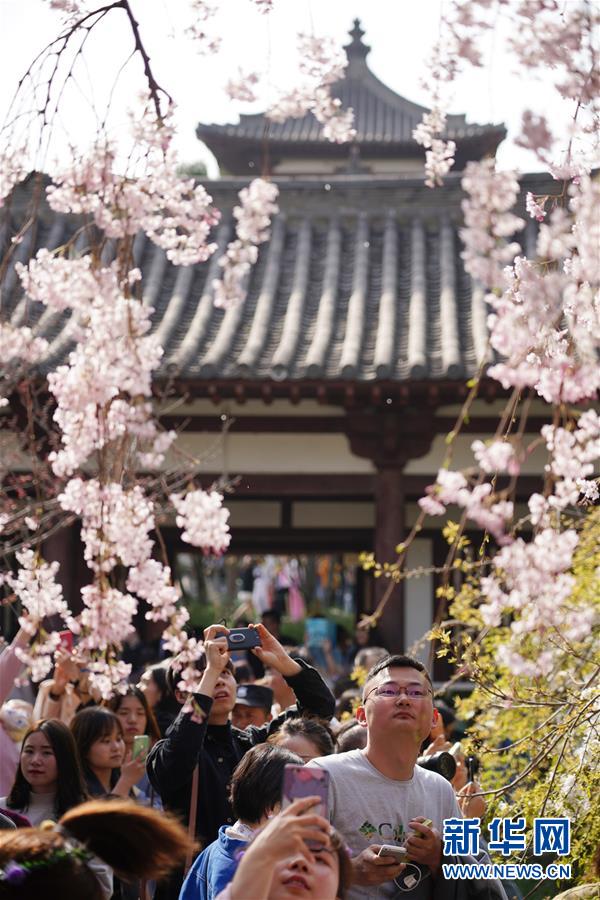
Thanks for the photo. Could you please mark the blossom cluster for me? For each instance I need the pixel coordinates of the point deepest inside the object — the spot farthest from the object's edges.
(322, 64)
(257, 207)
(478, 501)
(242, 87)
(116, 523)
(152, 581)
(574, 453)
(203, 518)
(206, 42)
(13, 169)
(532, 581)
(439, 153)
(41, 596)
(546, 324)
(174, 212)
(98, 390)
(489, 222)
(18, 346)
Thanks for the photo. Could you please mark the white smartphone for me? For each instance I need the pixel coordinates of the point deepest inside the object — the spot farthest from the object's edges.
(399, 853)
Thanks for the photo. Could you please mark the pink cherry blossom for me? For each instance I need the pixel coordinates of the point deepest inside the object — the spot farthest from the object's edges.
(151, 581)
(242, 87)
(534, 208)
(322, 64)
(13, 169)
(206, 42)
(204, 519)
(41, 597)
(497, 456)
(489, 221)
(116, 523)
(175, 213)
(431, 506)
(254, 214)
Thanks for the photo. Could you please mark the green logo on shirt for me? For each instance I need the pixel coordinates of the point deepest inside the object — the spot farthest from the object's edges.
(385, 830)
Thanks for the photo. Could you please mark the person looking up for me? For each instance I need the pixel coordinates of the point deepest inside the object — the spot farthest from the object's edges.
(255, 795)
(49, 780)
(380, 796)
(202, 748)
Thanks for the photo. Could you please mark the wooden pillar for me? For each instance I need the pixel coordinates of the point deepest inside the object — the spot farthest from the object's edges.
(389, 532)
(390, 439)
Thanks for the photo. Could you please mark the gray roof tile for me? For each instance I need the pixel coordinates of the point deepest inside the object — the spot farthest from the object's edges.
(362, 282)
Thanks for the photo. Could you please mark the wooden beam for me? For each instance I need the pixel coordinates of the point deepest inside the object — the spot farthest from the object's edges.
(289, 424)
(306, 486)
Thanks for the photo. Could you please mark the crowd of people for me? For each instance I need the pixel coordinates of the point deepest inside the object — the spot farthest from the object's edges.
(202, 774)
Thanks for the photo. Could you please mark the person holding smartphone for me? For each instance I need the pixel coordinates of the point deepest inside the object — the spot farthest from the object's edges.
(379, 797)
(202, 735)
(140, 732)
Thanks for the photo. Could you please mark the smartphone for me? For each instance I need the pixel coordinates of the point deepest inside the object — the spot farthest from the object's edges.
(243, 639)
(306, 781)
(141, 745)
(399, 853)
(65, 639)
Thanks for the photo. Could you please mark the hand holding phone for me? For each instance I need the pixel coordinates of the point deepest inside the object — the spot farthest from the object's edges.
(243, 639)
(400, 854)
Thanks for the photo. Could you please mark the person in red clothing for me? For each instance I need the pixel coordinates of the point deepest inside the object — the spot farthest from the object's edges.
(202, 734)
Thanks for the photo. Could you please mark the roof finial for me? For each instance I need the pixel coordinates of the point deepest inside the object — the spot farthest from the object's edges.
(356, 48)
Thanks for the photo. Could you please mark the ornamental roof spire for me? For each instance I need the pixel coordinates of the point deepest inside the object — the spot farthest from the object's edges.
(357, 49)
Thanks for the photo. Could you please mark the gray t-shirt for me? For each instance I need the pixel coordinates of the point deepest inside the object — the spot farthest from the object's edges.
(368, 808)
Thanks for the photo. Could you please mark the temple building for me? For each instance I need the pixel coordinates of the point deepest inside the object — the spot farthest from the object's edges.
(344, 370)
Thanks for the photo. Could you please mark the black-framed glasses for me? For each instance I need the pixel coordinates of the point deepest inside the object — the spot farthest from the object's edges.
(391, 689)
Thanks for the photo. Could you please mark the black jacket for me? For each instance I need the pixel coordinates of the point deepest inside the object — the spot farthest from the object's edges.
(218, 749)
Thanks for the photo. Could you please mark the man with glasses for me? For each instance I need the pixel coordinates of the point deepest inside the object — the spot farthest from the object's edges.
(380, 796)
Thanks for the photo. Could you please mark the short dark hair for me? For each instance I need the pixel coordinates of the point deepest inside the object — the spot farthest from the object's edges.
(351, 736)
(397, 661)
(257, 780)
(317, 731)
(176, 665)
(71, 789)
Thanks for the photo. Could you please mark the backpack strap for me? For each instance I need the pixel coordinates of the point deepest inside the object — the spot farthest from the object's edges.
(192, 819)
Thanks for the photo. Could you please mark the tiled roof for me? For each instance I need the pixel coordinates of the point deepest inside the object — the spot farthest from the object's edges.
(362, 280)
(381, 116)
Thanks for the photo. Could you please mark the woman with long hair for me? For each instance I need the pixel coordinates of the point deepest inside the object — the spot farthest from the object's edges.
(135, 842)
(136, 717)
(99, 737)
(155, 687)
(49, 780)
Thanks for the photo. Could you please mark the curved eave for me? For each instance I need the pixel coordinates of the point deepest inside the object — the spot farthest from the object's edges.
(238, 152)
